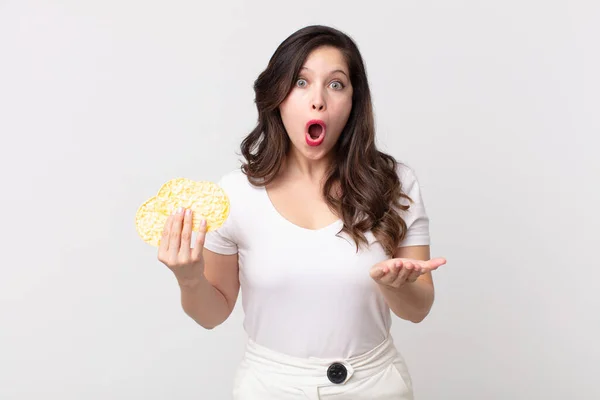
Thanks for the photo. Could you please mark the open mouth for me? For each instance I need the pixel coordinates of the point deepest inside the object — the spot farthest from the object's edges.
(315, 132)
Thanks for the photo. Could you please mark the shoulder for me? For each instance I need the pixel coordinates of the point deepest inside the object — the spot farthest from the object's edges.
(244, 199)
(241, 193)
(234, 182)
(405, 172)
(409, 185)
(232, 177)
(415, 214)
(407, 176)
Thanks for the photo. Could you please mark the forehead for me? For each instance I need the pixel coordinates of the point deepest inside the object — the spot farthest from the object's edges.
(326, 59)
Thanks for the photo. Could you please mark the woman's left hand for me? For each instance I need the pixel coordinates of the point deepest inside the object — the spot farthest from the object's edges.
(396, 272)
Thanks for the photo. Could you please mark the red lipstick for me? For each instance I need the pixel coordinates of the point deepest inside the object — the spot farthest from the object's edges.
(315, 132)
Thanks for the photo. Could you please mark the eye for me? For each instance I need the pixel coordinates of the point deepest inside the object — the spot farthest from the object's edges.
(301, 82)
(337, 85)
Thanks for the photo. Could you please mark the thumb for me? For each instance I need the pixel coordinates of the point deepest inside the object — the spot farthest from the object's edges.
(377, 272)
(436, 262)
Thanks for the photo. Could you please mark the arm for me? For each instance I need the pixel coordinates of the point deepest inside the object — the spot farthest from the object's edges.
(210, 300)
(413, 300)
(208, 281)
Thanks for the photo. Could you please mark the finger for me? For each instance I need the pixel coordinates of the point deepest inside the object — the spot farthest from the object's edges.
(394, 266)
(175, 234)
(434, 263)
(414, 275)
(377, 272)
(385, 269)
(163, 245)
(186, 233)
(407, 269)
(199, 244)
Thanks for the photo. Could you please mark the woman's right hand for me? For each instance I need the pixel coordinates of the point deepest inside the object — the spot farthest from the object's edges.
(176, 252)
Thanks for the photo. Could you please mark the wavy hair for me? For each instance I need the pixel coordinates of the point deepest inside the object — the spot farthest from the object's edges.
(368, 189)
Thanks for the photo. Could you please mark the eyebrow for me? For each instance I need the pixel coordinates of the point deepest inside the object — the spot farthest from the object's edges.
(331, 72)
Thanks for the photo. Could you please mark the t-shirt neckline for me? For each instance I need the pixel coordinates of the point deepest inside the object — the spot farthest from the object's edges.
(334, 226)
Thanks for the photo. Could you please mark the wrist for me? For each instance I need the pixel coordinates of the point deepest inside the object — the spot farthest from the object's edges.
(190, 284)
(406, 286)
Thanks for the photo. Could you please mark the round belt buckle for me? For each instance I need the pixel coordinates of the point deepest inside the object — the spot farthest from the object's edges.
(337, 373)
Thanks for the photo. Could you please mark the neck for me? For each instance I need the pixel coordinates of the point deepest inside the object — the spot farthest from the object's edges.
(301, 167)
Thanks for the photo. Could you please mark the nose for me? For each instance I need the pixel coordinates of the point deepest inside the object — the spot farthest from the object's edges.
(318, 106)
(318, 102)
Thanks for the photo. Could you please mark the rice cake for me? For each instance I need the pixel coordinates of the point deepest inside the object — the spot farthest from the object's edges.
(206, 199)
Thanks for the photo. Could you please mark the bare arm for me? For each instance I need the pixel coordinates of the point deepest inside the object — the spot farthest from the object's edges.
(208, 281)
(412, 300)
(210, 300)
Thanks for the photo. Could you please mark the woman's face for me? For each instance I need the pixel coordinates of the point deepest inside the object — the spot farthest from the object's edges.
(317, 108)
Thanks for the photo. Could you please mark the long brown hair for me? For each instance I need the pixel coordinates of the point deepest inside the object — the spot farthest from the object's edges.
(369, 186)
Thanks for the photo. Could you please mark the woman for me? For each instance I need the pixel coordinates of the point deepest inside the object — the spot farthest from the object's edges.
(326, 236)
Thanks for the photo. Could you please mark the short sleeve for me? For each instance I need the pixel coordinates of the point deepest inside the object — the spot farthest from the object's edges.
(223, 240)
(416, 218)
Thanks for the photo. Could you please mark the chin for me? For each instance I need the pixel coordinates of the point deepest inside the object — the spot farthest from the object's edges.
(313, 153)
(317, 154)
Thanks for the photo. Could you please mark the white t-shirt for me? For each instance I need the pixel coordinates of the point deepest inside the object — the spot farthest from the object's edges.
(308, 292)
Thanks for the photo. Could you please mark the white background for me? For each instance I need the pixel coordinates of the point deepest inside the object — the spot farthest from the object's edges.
(495, 105)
